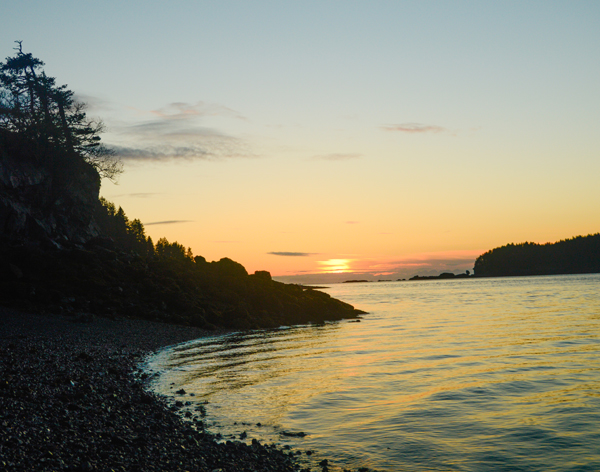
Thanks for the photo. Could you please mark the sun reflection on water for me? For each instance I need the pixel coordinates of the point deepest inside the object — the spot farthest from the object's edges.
(497, 374)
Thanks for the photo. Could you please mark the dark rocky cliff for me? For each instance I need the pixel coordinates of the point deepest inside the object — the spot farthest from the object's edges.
(46, 201)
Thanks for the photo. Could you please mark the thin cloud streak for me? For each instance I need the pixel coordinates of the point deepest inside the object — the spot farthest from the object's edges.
(414, 128)
(161, 153)
(291, 254)
(173, 129)
(183, 110)
(167, 222)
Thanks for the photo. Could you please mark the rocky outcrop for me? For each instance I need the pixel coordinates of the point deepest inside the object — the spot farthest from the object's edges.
(95, 280)
(39, 203)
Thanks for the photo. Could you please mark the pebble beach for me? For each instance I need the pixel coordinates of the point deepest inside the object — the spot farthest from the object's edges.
(72, 399)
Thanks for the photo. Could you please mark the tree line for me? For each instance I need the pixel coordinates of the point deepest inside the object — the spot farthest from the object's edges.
(580, 254)
(130, 235)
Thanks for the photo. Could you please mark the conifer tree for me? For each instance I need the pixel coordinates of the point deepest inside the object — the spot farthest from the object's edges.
(47, 118)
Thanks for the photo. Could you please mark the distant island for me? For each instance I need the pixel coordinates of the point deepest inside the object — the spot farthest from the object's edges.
(578, 255)
(444, 275)
(353, 281)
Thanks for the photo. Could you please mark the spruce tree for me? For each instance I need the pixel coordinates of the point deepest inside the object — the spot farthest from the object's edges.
(46, 119)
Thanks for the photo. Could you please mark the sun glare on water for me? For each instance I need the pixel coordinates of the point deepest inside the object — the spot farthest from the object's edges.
(335, 266)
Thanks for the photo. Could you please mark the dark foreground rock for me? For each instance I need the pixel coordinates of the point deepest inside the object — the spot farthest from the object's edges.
(69, 401)
(113, 282)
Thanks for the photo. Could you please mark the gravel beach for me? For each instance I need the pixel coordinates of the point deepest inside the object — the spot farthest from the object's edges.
(70, 401)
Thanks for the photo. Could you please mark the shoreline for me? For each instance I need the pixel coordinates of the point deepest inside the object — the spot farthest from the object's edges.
(69, 401)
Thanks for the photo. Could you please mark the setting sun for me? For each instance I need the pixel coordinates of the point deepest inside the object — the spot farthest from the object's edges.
(335, 266)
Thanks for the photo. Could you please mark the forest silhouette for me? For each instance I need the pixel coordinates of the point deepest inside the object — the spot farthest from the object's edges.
(577, 255)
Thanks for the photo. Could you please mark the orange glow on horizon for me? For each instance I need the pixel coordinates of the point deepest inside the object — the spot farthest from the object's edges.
(335, 266)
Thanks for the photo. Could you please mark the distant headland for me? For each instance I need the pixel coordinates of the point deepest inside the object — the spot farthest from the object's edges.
(577, 255)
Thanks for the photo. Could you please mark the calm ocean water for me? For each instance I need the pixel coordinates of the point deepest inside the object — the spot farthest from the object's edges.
(495, 374)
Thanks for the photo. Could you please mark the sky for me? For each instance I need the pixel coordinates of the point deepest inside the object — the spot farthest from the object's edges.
(333, 140)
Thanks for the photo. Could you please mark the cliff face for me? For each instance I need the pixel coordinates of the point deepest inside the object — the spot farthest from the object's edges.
(37, 203)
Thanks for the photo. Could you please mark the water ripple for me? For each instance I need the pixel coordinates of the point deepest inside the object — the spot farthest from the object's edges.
(465, 375)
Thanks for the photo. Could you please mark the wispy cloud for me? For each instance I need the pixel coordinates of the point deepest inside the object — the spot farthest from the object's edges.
(337, 156)
(291, 254)
(414, 128)
(352, 222)
(94, 104)
(207, 150)
(167, 222)
(177, 131)
(182, 111)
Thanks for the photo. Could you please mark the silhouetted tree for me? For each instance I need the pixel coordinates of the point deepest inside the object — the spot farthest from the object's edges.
(128, 235)
(136, 229)
(46, 117)
(174, 250)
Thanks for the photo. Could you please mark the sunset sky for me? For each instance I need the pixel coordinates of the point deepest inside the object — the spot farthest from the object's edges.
(363, 139)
